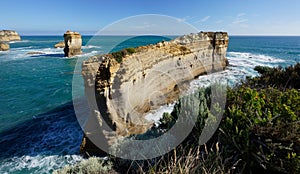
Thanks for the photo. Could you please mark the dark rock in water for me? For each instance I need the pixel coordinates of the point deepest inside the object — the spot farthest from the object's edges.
(9, 35)
(4, 46)
(60, 44)
(73, 44)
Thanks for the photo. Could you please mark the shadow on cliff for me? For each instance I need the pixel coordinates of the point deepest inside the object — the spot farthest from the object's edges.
(56, 132)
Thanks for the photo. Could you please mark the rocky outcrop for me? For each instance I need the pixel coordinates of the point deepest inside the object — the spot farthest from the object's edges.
(123, 87)
(9, 35)
(34, 52)
(4, 46)
(60, 44)
(73, 43)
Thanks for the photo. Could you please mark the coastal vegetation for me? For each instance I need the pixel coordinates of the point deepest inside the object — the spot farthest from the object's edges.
(259, 130)
(119, 55)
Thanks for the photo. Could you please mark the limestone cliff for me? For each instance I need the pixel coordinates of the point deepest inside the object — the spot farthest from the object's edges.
(9, 35)
(73, 43)
(122, 87)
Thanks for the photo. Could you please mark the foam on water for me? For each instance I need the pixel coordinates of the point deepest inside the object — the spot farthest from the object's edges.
(157, 114)
(21, 41)
(90, 46)
(47, 142)
(22, 53)
(37, 164)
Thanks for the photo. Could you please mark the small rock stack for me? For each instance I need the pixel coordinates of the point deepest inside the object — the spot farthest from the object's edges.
(7, 36)
(4, 46)
(73, 44)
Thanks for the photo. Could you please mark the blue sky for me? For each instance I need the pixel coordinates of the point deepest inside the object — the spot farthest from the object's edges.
(238, 17)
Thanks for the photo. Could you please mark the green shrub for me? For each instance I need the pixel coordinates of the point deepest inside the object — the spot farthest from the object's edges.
(130, 50)
(119, 55)
(278, 77)
(262, 69)
(261, 128)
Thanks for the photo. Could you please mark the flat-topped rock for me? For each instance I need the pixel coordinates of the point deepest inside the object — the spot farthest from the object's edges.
(9, 35)
(123, 87)
(4, 46)
(60, 45)
(73, 43)
(34, 52)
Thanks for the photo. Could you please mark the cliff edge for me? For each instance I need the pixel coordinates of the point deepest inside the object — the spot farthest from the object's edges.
(123, 87)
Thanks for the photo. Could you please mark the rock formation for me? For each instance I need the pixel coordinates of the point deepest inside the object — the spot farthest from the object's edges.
(9, 35)
(123, 87)
(34, 52)
(4, 46)
(73, 43)
(60, 44)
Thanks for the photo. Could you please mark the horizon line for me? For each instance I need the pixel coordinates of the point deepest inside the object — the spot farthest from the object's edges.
(254, 35)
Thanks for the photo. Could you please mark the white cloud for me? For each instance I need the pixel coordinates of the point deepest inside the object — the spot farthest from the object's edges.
(239, 21)
(203, 19)
(184, 19)
(241, 14)
(219, 21)
(145, 25)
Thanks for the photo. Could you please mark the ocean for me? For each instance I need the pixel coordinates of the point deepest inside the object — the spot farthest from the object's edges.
(39, 131)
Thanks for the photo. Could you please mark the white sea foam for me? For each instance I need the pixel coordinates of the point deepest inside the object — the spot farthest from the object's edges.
(38, 164)
(156, 115)
(21, 41)
(22, 53)
(90, 46)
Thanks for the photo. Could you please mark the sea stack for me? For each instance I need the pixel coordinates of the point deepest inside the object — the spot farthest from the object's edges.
(4, 46)
(73, 43)
(122, 87)
(9, 35)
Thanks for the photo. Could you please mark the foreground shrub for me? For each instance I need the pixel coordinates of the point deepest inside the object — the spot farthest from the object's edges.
(278, 77)
(262, 129)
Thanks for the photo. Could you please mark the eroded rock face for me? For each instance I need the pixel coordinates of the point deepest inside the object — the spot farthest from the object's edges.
(60, 44)
(9, 35)
(122, 93)
(4, 46)
(72, 43)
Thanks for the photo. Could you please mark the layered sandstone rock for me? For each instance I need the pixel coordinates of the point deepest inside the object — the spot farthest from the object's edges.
(9, 35)
(60, 44)
(73, 43)
(4, 46)
(123, 87)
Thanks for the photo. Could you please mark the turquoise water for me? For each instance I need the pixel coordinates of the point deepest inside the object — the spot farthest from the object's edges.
(38, 127)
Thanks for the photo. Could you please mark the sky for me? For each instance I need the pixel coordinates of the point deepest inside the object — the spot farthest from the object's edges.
(237, 17)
